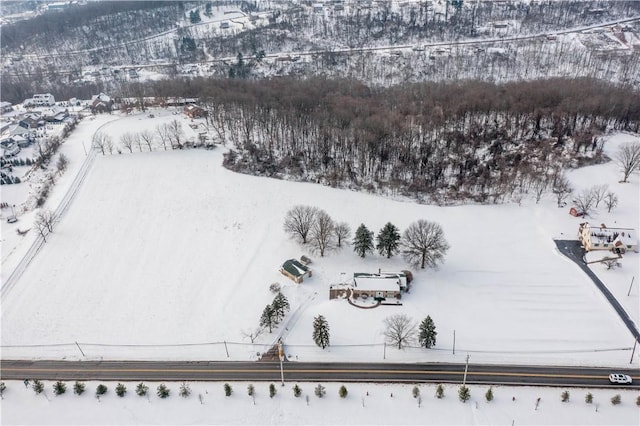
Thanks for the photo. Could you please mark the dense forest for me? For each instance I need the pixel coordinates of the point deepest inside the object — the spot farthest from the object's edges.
(441, 142)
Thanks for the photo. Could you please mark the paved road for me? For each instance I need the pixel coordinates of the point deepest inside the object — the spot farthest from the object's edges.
(314, 372)
(574, 251)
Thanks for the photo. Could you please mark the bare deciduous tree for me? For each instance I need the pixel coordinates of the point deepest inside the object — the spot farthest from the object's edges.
(424, 244)
(62, 163)
(599, 192)
(299, 220)
(102, 141)
(126, 140)
(562, 189)
(628, 158)
(174, 131)
(611, 201)
(322, 234)
(342, 231)
(584, 201)
(399, 330)
(163, 133)
(146, 136)
(253, 334)
(138, 141)
(44, 223)
(539, 187)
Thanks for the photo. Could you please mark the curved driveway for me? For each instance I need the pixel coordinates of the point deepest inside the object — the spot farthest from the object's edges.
(574, 251)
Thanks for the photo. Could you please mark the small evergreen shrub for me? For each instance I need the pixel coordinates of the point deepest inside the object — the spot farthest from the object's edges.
(121, 390)
(297, 391)
(565, 396)
(59, 388)
(142, 389)
(440, 392)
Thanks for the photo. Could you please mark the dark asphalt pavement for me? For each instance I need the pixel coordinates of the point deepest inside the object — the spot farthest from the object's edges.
(574, 251)
(313, 372)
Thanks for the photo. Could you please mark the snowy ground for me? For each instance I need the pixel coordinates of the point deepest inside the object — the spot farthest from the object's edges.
(164, 249)
(23, 406)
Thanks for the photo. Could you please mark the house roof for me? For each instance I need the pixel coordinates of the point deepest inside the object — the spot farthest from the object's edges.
(295, 268)
(376, 283)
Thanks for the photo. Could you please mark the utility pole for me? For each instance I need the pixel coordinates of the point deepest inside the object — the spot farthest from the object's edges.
(635, 342)
(466, 367)
(281, 356)
(631, 285)
(454, 342)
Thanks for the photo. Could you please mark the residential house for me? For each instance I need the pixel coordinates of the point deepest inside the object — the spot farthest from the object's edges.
(618, 240)
(295, 270)
(194, 111)
(41, 99)
(101, 103)
(5, 107)
(55, 115)
(380, 286)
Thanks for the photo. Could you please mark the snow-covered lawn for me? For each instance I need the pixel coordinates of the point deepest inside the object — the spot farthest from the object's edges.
(23, 406)
(169, 248)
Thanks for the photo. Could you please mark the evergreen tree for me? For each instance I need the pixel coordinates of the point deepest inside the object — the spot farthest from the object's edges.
(363, 241)
(638, 401)
(321, 331)
(59, 388)
(3, 387)
(464, 394)
(388, 240)
(565, 396)
(297, 391)
(78, 388)
(427, 333)
(163, 391)
(194, 16)
(588, 398)
(272, 390)
(101, 390)
(616, 399)
(185, 390)
(343, 392)
(16, 180)
(251, 390)
(37, 386)
(121, 390)
(439, 391)
(227, 389)
(415, 392)
(142, 389)
(320, 391)
(268, 318)
(489, 395)
(280, 306)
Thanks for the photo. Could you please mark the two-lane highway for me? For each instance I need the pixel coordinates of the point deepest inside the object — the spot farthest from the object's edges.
(312, 372)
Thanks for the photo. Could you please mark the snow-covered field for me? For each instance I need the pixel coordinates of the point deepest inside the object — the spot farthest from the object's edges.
(22, 406)
(167, 255)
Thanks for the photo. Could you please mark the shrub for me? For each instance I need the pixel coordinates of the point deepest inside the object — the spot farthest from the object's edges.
(464, 394)
(343, 392)
(251, 390)
(638, 401)
(227, 389)
(615, 400)
(415, 392)
(142, 389)
(163, 391)
(3, 387)
(275, 288)
(185, 390)
(101, 390)
(59, 388)
(121, 390)
(565, 396)
(320, 391)
(78, 388)
(272, 390)
(588, 398)
(37, 386)
(297, 391)
(440, 392)
(489, 395)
